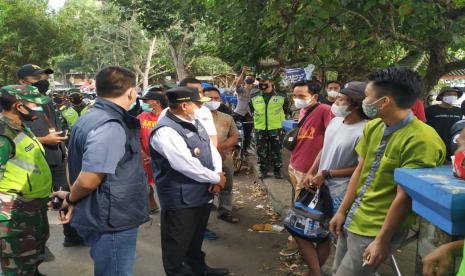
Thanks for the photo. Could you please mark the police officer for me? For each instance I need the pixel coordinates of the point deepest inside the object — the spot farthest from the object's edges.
(109, 186)
(187, 169)
(269, 111)
(76, 109)
(25, 183)
(48, 129)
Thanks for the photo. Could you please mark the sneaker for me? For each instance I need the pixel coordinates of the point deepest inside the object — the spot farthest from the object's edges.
(210, 235)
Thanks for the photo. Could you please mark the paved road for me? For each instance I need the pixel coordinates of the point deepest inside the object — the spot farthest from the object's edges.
(244, 252)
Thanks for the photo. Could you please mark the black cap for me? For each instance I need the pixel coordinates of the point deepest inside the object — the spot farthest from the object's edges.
(184, 94)
(354, 90)
(32, 70)
(449, 89)
(153, 95)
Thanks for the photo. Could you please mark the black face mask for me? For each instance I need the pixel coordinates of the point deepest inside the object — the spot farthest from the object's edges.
(58, 100)
(27, 117)
(75, 100)
(249, 81)
(42, 85)
(263, 86)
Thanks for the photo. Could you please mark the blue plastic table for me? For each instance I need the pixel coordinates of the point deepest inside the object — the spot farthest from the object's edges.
(437, 196)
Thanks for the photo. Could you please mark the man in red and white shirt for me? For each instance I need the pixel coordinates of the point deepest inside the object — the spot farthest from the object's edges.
(154, 102)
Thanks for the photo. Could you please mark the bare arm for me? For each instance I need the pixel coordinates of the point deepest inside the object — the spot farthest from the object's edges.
(85, 184)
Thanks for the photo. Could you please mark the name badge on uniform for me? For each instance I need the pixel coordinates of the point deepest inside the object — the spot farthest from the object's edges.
(197, 152)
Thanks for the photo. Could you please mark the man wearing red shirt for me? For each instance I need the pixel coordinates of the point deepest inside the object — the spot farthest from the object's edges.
(153, 103)
(311, 133)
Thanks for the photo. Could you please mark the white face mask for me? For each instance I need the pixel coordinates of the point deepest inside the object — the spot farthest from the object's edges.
(197, 114)
(340, 110)
(449, 99)
(300, 103)
(212, 105)
(332, 93)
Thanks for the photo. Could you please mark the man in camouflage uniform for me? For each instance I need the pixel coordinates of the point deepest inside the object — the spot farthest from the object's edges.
(25, 183)
(269, 111)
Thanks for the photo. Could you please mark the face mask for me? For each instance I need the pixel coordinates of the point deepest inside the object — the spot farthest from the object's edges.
(197, 114)
(249, 81)
(37, 109)
(213, 105)
(132, 106)
(340, 110)
(332, 93)
(146, 107)
(371, 110)
(262, 86)
(42, 86)
(449, 99)
(58, 100)
(27, 117)
(301, 103)
(76, 100)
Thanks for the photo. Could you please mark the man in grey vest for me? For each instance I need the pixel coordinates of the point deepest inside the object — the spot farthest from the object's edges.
(188, 171)
(109, 197)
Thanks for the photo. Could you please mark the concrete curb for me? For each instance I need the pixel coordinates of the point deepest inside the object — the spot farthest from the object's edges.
(279, 190)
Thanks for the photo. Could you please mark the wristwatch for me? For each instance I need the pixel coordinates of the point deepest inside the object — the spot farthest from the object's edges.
(69, 200)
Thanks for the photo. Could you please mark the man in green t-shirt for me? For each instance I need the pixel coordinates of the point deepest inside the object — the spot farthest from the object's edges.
(375, 215)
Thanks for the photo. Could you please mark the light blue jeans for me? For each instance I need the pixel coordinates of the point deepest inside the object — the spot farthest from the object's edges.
(113, 253)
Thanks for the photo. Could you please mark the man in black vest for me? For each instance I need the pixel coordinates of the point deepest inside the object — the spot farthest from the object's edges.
(109, 198)
(188, 171)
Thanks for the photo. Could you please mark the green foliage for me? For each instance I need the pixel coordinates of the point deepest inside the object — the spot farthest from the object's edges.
(28, 34)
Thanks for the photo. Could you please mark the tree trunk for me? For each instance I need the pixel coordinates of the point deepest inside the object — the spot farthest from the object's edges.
(177, 56)
(435, 69)
(148, 65)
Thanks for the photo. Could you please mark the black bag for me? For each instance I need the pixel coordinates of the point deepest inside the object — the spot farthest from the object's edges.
(290, 139)
(310, 216)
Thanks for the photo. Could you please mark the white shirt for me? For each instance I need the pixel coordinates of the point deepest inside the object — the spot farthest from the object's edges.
(170, 144)
(205, 118)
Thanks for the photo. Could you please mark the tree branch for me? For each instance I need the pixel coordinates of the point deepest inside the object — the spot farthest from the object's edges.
(454, 65)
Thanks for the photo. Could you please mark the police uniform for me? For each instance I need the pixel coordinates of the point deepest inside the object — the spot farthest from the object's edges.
(25, 185)
(74, 110)
(268, 115)
(185, 163)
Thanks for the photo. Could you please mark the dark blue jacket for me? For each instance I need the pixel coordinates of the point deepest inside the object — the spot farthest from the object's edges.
(175, 190)
(121, 201)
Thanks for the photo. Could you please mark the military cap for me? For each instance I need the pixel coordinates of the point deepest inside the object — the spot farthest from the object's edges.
(184, 94)
(32, 70)
(26, 93)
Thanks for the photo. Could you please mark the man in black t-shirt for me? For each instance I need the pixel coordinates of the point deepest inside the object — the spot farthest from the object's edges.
(444, 115)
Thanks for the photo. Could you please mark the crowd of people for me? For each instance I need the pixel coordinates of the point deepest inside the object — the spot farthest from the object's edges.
(106, 161)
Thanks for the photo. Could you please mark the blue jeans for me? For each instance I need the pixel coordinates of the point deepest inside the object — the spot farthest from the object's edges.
(113, 253)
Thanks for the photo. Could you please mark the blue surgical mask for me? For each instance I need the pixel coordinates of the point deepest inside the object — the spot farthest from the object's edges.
(371, 110)
(37, 109)
(146, 107)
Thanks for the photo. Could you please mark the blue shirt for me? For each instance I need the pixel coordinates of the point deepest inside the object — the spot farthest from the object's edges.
(104, 148)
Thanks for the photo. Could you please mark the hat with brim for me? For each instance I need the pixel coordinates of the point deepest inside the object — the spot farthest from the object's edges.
(185, 94)
(32, 70)
(354, 90)
(26, 93)
(449, 89)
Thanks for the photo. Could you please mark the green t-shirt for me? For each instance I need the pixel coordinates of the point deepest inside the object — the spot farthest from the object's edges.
(416, 145)
(462, 264)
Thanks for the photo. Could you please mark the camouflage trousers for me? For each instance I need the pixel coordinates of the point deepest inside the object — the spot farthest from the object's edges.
(269, 148)
(24, 230)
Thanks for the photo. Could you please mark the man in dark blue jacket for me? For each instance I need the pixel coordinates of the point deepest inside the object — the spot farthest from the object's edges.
(188, 171)
(108, 198)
